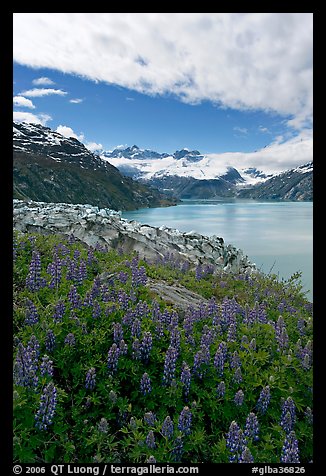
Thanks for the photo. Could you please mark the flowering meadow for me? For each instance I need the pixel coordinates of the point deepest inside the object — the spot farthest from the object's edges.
(105, 371)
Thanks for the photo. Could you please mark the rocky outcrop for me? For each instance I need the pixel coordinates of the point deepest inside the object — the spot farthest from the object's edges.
(93, 225)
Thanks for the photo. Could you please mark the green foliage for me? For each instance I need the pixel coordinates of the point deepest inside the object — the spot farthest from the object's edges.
(107, 423)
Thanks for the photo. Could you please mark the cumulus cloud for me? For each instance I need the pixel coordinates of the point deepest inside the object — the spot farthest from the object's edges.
(76, 101)
(20, 116)
(92, 146)
(238, 60)
(278, 156)
(43, 81)
(67, 131)
(20, 101)
(39, 92)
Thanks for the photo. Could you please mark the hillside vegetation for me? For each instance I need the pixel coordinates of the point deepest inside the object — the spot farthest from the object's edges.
(106, 370)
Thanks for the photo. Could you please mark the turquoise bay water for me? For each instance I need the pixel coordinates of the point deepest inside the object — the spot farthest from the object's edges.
(277, 236)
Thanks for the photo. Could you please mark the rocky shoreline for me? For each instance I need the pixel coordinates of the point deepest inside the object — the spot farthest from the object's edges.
(104, 226)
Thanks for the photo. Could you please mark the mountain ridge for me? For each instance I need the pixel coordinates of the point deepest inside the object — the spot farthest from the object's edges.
(190, 174)
(50, 167)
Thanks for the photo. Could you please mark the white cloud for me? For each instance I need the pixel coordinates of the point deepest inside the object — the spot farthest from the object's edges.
(239, 60)
(20, 116)
(92, 146)
(242, 130)
(20, 101)
(39, 92)
(274, 158)
(67, 131)
(43, 81)
(76, 101)
(264, 130)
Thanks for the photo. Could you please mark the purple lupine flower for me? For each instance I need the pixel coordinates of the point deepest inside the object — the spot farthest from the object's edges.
(145, 384)
(175, 339)
(50, 340)
(238, 398)
(281, 334)
(25, 367)
(54, 269)
(150, 440)
(264, 399)
(103, 425)
(46, 366)
(188, 329)
(150, 418)
(123, 299)
(46, 411)
(237, 377)
(288, 415)
(31, 313)
(123, 277)
(34, 282)
(117, 332)
(167, 427)
(123, 347)
(74, 297)
(177, 450)
(220, 390)
(198, 272)
(232, 332)
(235, 442)
(169, 365)
(151, 460)
(82, 271)
(90, 379)
(70, 339)
(88, 300)
(59, 311)
(113, 357)
(208, 336)
(72, 271)
(159, 329)
(136, 328)
(290, 450)
(219, 361)
(246, 456)
(146, 346)
(185, 378)
(235, 360)
(96, 288)
(136, 350)
(306, 356)
(96, 312)
(201, 361)
(184, 422)
(252, 427)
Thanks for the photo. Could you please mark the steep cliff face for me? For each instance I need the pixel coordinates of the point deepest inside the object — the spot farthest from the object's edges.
(104, 226)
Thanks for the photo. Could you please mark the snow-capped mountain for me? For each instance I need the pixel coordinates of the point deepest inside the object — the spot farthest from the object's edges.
(190, 174)
(150, 165)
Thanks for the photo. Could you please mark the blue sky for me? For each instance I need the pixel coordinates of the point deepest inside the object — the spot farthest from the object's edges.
(219, 83)
(113, 115)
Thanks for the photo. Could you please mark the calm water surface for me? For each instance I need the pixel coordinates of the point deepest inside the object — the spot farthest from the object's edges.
(276, 236)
